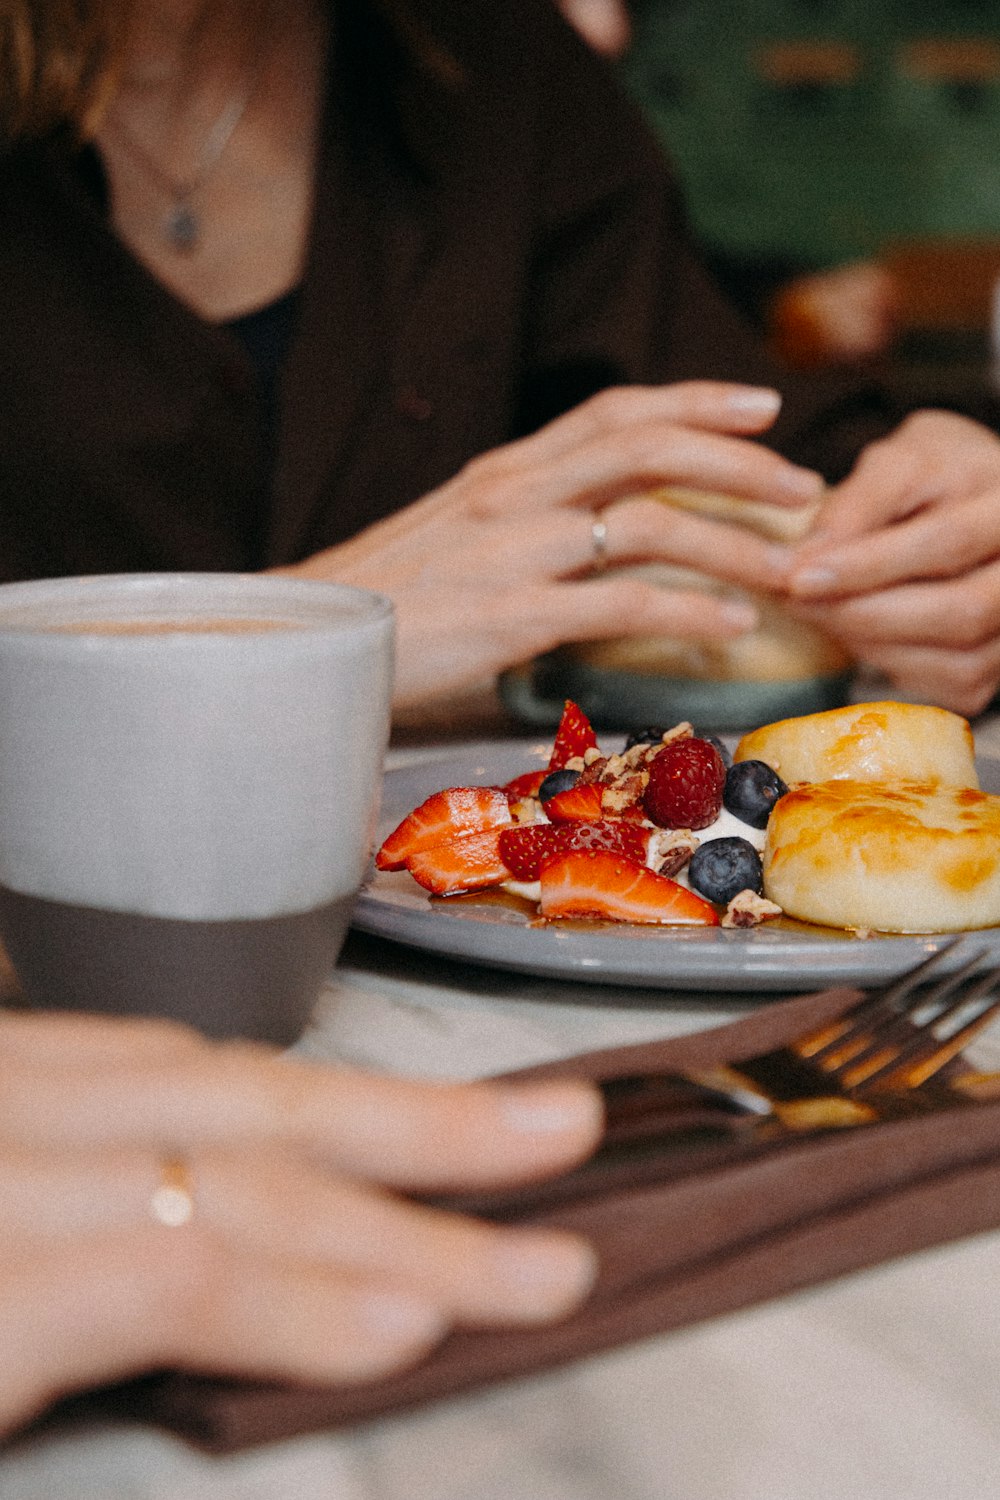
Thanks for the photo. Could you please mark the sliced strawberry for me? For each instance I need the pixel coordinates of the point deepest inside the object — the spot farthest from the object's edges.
(469, 863)
(526, 849)
(443, 816)
(525, 785)
(574, 735)
(575, 802)
(609, 886)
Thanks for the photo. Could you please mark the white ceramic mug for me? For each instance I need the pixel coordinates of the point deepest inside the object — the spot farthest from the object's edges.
(189, 776)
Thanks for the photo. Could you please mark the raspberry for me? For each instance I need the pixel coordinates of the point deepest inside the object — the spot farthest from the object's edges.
(685, 785)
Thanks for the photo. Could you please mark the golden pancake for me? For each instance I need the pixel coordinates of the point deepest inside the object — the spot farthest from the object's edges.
(867, 742)
(895, 856)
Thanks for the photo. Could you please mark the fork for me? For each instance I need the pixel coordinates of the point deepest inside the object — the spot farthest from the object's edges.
(851, 1071)
(878, 1061)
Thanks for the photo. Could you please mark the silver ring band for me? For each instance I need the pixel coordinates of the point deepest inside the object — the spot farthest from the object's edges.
(599, 542)
(172, 1202)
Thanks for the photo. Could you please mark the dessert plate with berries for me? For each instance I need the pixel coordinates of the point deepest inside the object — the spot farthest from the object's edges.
(636, 863)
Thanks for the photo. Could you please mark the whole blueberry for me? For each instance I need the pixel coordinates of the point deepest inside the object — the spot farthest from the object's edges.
(651, 735)
(720, 868)
(752, 788)
(724, 751)
(557, 781)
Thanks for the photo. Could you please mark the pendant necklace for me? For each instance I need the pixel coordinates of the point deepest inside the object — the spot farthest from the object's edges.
(181, 226)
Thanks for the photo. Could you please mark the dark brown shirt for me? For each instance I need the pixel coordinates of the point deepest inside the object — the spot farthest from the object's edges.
(484, 253)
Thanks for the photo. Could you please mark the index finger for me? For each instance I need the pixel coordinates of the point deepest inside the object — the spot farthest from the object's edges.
(933, 457)
(711, 405)
(627, 425)
(888, 481)
(940, 542)
(393, 1130)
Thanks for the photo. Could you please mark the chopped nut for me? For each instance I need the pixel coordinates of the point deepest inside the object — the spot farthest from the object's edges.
(575, 763)
(592, 754)
(615, 765)
(748, 909)
(672, 850)
(683, 731)
(614, 800)
(637, 755)
(593, 770)
(625, 792)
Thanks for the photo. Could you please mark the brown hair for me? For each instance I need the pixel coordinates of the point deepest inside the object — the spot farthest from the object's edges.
(58, 63)
(60, 59)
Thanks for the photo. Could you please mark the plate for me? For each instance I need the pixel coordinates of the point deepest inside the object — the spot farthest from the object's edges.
(483, 930)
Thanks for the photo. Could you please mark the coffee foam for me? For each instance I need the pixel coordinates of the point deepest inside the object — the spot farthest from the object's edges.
(220, 625)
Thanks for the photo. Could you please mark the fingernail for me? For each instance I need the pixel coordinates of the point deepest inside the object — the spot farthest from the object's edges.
(739, 616)
(399, 1319)
(756, 401)
(548, 1276)
(814, 579)
(531, 1109)
(803, 483)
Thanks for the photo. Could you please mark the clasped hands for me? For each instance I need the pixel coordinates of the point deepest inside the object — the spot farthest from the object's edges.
(498, 564)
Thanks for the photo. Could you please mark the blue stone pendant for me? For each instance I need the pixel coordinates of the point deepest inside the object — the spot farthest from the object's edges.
(183, 227)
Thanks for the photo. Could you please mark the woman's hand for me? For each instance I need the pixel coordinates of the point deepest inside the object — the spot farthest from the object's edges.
(498, 564)
(904, 565)
(299, 1259)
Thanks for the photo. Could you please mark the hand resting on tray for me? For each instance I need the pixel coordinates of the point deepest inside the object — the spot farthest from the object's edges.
(170, 1202)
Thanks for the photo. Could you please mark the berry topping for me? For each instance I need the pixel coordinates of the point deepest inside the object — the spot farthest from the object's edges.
(651, 735)
(525, 850)
(574, 736)
(468, 863)
(525, 785)
(721, 868)
(751, 790)
(557, 781)
(580, 801)
(724, 751)
(685, 784)
(598, 884)
(444, 816)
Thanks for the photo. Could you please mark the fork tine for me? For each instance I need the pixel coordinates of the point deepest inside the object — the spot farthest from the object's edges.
(925, 1053)
(913, 1041)
(891, 1023)
(916, 976)
(876, 1004)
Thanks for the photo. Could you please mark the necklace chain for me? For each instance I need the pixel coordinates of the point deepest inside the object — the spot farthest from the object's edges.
(182, 224)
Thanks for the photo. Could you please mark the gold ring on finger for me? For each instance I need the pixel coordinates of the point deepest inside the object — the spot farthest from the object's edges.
(172, 1201)
(599, 543)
